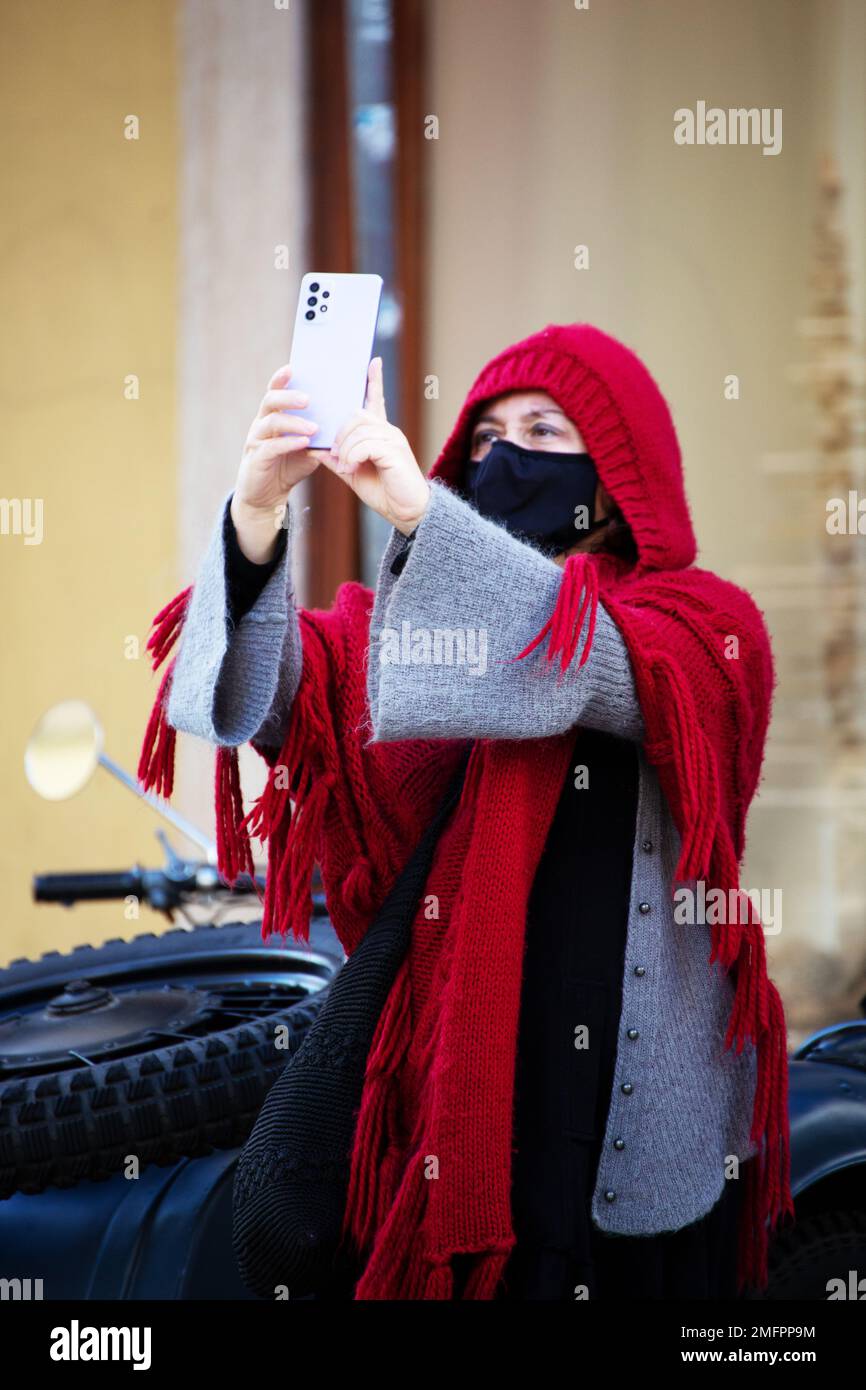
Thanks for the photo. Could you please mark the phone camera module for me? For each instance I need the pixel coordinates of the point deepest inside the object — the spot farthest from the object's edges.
(314, 287)
(312, 301)
(310, 314)
(326, 294)
(324, 309)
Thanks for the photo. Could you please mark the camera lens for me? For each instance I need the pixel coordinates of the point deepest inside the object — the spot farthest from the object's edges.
(314, 287)
(310, 314)
(324, 308)
(312, 300)
(326, 294)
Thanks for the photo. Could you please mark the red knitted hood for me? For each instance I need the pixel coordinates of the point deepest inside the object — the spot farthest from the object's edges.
(622, 415)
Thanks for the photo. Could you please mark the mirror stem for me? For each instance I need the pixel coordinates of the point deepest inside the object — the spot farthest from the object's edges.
(162, 807)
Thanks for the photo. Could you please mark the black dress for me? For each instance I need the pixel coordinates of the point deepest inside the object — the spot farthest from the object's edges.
(573, 968)
(572, 975)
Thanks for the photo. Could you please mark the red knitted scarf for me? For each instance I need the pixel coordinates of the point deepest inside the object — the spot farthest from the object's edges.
(431, 1163)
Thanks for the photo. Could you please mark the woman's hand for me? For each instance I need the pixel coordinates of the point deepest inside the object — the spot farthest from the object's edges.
(275, 458)
(375, 459)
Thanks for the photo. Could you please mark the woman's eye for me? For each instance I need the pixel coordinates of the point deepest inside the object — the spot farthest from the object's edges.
(545, 429)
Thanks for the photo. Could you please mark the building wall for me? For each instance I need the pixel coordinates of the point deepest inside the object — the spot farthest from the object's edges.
(88, 247)
(159, 257)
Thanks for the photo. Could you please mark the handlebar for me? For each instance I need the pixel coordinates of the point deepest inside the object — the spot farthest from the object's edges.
(160, 889)
(68, 888)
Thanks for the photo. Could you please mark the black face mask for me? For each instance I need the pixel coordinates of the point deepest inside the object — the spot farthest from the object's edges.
(535, 493)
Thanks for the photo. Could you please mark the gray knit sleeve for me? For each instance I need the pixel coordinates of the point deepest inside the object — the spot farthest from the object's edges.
(468, 597)
(235, 683)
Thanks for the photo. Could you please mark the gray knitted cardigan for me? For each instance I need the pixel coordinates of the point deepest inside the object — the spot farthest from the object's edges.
(681, 1105)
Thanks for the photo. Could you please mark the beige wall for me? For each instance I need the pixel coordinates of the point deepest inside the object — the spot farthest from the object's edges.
(157, 257)
(88, 257)
(556, 128)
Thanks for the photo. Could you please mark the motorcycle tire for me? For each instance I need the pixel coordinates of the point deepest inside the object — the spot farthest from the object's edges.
(193, 1083)
(820, 1248)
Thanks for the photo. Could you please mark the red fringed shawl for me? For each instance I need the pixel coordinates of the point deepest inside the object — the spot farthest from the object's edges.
(430, 1168)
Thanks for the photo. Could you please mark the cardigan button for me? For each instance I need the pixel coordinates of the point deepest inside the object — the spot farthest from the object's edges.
(610, 1196)
(647, 846)
(632, 1034)
(640, 970)
(643, 907)
(626, 1088)
(619, 1143)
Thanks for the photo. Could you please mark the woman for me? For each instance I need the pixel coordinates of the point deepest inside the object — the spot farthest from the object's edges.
(568, 1090)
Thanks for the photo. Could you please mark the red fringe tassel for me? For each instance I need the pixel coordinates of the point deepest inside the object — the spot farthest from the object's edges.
(290, 812)
(157, 757)
(578, 593)
(156, 760)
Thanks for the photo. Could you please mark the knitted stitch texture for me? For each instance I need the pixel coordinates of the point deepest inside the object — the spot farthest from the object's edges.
(430, 1166)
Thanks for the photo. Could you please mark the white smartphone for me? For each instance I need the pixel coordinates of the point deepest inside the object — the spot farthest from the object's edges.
(331, 347)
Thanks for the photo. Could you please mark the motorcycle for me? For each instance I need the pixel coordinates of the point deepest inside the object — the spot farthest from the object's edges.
(132, 1072)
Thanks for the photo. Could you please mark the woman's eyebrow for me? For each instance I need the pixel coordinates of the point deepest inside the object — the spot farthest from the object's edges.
(527, 415)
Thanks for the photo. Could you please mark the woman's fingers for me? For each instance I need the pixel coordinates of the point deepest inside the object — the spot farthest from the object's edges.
(365, 440)
(283, 400)
(275, 445)
(372, 412)
(363, 444)
(280, 376)
(346, 429)
(375, 401)
(364, 419)
(279, 423)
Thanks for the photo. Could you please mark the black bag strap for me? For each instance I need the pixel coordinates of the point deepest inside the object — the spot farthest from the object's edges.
(292, 1176)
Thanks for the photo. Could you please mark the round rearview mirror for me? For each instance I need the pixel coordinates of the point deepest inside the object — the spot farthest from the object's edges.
(64, 750)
